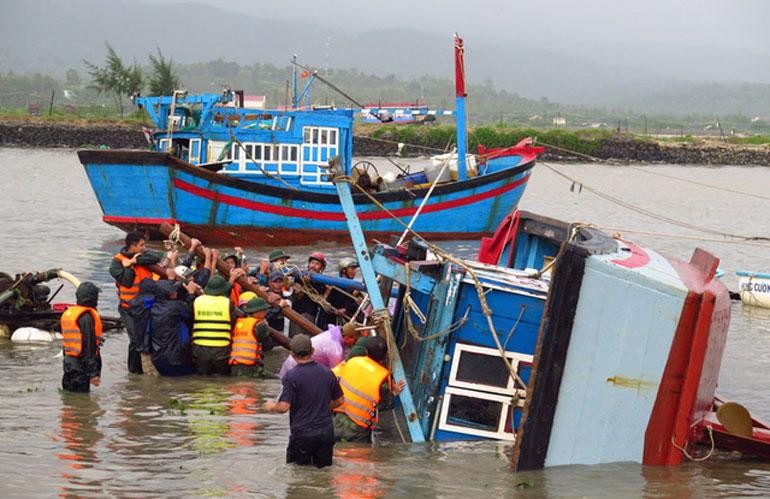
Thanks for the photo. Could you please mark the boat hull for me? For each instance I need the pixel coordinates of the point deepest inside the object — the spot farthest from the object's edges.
(140, 190)
(628, 357)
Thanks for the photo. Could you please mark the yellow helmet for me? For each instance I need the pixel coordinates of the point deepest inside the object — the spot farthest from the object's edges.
(245, 297)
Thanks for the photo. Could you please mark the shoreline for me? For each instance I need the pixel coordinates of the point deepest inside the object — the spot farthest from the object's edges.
(76, 135)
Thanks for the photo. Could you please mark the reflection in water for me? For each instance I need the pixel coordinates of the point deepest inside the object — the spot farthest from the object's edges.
(355, 474)
(243, 428)
(79, 433)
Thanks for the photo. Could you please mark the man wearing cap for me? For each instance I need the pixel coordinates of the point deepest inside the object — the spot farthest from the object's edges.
(81, 328)
(309, 392)
(368, 387)
(302, 303)
(329, 347)
(275, 299)
(213, 320)
(249, 334)
(278, 259)
(345, 303)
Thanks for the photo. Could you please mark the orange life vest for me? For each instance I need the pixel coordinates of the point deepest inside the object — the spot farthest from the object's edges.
(73, 337)
(246, 349)
(126, 294)
(361, 379)
(235, 294)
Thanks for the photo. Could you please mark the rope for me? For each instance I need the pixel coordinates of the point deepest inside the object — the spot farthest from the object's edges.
(651, 214)
(515, 324)
(386, 141)
(682, 236)
(702, 184)
(173, 241)
(414, 308)
(425, 199)
(439, 252)
(687, 454)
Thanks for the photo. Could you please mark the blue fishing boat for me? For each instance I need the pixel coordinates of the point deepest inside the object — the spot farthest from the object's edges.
(235, 175)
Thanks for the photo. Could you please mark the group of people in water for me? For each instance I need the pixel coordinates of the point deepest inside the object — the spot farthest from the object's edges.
(183, 317)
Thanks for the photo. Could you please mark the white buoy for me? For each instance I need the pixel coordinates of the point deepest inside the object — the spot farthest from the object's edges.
(32, 334)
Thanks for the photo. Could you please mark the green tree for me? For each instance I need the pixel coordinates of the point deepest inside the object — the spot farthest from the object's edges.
(115, 78)
(163, 80)
(72, 78)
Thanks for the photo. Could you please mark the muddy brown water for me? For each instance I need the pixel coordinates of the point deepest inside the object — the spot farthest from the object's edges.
(140, 437)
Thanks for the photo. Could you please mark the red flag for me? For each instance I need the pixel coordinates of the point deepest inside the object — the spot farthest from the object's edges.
(305, 74)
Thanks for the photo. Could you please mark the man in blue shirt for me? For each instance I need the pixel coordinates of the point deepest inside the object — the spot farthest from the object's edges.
(310, 392)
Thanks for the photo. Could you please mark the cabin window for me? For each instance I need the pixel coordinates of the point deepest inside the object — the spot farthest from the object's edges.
(319, 146)
(482, 368)
(478, 368)
(480, 396)
(476, 413)
(163, 145)
(195, 151)
(258, 158)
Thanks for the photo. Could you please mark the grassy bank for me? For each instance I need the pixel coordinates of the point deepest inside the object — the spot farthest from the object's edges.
(440, 137)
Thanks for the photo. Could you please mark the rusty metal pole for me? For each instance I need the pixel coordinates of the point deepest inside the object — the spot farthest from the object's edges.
(287, 311)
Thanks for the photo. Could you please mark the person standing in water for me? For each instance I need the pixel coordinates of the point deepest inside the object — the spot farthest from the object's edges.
(81, 328)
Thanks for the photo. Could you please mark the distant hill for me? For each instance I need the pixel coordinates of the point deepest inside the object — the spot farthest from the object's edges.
(50, 36)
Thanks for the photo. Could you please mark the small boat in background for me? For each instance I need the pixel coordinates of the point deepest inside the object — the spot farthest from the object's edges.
(754, 288)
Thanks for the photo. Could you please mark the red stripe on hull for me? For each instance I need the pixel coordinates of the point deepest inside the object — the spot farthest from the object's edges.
(638, 257)
(255, 237)
(338, 216)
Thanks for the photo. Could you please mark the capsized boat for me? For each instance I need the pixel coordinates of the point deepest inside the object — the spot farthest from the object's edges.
(754, 288)
(580, 347)
(230, 174)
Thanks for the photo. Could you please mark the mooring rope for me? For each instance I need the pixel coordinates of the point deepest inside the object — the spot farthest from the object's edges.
(687, 454)
(651, 214)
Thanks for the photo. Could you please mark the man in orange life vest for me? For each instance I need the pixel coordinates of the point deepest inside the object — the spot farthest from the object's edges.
(365, 382)
(81, 327)
(248, 334)
(129, 268)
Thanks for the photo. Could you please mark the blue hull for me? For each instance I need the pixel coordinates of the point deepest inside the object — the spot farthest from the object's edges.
(138, 189)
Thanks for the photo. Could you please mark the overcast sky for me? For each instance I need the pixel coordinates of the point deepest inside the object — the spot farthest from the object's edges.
(561, 24)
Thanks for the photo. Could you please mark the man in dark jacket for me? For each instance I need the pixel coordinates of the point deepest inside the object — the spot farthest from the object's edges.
(171, 323)
(82, 331)
(139, 312)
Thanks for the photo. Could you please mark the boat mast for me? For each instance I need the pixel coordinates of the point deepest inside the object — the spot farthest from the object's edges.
(376, 299)
(294, 78)
(462, 133)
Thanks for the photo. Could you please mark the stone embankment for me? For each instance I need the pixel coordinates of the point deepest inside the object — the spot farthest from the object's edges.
(117, 136)
(71, 135)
